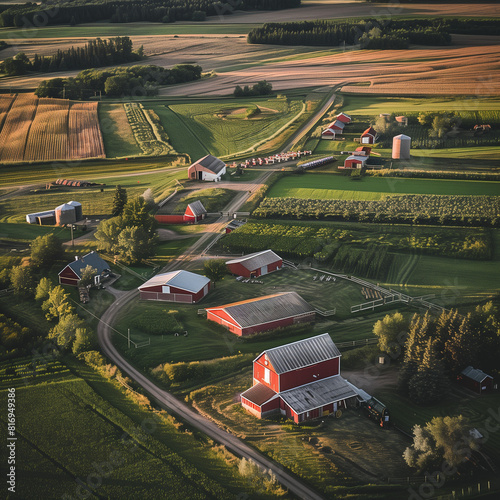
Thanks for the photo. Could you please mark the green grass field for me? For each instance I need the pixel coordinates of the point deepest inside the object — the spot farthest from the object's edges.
(220, 131)
(214, 200)
(73, 423)
(373, 105)
(126, 29)
(329, 187)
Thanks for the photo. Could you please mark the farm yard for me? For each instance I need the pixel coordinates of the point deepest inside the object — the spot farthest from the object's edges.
(48, 129)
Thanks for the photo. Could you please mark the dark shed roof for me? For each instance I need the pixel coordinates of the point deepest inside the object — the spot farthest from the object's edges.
(211, 163)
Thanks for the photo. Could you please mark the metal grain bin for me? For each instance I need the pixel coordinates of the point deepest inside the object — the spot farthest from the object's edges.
(78, 209)
(65, 214)
(401, 145)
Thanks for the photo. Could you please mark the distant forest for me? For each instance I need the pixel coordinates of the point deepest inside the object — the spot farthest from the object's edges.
(95, 53)
(370, 33)
(166, 11)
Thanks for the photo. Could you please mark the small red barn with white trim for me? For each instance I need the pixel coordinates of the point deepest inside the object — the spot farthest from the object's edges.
(342, 117)
(369, 136)
(336, 127)
(194, 213)
(255, 264)
(263, 313)
(300, 380)
(476, 380)
(176, 286)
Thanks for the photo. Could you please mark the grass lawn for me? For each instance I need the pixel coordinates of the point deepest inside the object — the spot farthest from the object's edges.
(214, 200)
(26, 233)
(326, 186)
(77, 420)
(119, 140)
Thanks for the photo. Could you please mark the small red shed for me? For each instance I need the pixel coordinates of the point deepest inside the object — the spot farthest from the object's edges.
(369, 136)
(255, 264)
(72, 273)
(176, 286)
(194, 213)
(476, 380)
(354, 161)
(263, 313)
(342, 117)
(300, 380)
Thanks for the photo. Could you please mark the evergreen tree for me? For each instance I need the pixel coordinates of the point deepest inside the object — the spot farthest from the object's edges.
(119, 200)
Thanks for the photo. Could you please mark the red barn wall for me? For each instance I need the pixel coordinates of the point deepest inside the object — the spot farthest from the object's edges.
(170, 219)
(258, 374)
(68, 277)
(239, 270)
(222, 318)
(303, 376)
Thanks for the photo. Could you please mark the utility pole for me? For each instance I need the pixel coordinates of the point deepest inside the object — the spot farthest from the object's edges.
(128, 337)
(72, 239)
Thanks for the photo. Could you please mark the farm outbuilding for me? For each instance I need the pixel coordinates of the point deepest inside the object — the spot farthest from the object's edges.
(300, 380)
(36, 217)
(176, 286)
(195, 212)
(355, 161)
(342, 117)
(401, 147)
(208, 168)
(72, 273)
(476, 380)
(65, 214)
(78, 209)
(369, 136)
(255, 264)
(263, 313)
(234, 224)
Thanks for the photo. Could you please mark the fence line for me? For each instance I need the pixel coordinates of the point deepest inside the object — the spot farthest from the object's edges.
(354, 343)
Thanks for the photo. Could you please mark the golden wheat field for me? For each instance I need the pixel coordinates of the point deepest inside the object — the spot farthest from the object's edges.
(40, 129)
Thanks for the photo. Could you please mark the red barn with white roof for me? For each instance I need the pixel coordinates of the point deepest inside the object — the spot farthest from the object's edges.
(263, 313)
(255, 264)
(176, 286)
(300, 380)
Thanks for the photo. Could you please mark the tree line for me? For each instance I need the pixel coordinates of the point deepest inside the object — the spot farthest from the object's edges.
(166, 11)
(261, 88)
(370, 33)
(95, 53)
(116, 82)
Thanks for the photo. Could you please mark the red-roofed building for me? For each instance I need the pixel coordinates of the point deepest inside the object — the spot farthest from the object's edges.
(369, 136)
(300, 380)
(263, 313)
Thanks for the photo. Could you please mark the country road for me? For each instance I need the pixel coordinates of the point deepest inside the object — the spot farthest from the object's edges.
(167, 400)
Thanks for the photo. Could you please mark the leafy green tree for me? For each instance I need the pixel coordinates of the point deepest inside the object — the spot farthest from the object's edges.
(88, 273)
(84, 340)
(21, 280)
(119, 200)
(45, 250)
(107, 234)
(64, 333)
(135, 245)
(391, 331)
(136, 213)
(215, 269)
(57, 304)
(43, 289)
(442, 439)
(117, 86)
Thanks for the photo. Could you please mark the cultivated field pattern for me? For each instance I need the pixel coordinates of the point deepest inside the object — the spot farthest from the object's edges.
(37, 129)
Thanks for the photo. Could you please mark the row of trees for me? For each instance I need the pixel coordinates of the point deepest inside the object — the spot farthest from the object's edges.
(369, 33)
(95, 53)
(261, 88)
(166, 11)
(121, 81)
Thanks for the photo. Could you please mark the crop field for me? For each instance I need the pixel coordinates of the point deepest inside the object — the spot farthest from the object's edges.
(330, 187)
(224, 128)
(49, 129)
(119, 140)
(68, 430)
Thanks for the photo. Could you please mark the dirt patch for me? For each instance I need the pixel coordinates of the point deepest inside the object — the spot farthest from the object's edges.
(372, 379)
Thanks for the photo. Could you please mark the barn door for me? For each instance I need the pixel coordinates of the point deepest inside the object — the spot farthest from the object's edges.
(263, 270)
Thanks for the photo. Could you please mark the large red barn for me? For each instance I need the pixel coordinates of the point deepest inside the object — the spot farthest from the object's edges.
(255, 264)
(300, 380)
(263, 313)
(72, 273)
(176, 286)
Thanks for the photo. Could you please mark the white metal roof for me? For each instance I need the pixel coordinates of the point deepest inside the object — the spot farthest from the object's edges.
(254, 261)
(317, 394)
(266, 309)
(65, 207)
(360, 158)
(302, 353)
(184, 280)
(475, 374)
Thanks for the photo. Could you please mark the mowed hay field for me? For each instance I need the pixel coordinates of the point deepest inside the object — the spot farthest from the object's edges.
(334, 187)
(38, 129)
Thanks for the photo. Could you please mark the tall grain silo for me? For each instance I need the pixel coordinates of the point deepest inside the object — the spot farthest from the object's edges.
(78, 209)
(65, 214)
(401, 145)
